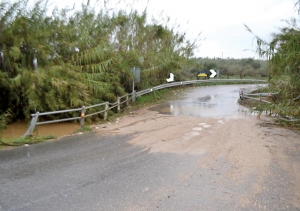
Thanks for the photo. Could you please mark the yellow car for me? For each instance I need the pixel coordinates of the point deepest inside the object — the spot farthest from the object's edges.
(202, 75)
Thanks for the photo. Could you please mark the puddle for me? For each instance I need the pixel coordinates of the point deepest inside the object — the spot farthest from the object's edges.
(209, 101)
(18, 129)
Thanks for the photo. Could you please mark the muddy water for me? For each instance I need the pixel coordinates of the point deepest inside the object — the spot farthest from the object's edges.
(18, 129)
(210, 101)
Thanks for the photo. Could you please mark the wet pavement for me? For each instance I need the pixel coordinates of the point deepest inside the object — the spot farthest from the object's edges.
(94, 171)
(105, 173)
(209, 101)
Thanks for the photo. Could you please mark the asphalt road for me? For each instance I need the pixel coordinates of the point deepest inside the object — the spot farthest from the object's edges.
(104, 171)
(92, 172)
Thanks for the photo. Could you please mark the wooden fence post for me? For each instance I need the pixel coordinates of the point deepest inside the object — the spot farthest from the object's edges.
(127, 101)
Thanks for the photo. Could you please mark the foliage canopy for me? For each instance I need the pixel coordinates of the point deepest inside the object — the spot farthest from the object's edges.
(74, 58)
(282, 52)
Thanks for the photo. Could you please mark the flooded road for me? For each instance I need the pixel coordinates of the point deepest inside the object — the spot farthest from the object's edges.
(200, 152)
(207, 102)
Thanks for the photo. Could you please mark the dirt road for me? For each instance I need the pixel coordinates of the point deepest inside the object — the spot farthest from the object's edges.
(241, 161)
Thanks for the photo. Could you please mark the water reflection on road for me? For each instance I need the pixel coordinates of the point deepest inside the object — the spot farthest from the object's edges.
(209, 101)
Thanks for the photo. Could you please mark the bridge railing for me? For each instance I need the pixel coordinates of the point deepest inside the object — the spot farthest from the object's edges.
(126, 99)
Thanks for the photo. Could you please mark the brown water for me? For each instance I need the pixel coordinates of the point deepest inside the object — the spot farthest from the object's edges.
(209, 101)
(18, 129)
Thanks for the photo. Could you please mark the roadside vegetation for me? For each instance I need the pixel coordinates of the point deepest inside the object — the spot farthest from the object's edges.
(282, 53)
(233, 68)
(67, 58)
(24, 140)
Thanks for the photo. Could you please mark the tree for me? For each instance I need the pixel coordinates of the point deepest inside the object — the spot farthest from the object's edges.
(283, 56)
(75, 58)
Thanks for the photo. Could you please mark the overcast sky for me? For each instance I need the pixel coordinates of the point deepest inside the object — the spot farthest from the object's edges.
(221, 22)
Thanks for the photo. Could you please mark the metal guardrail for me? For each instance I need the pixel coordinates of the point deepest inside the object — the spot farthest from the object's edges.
(149, 90)
(259, 95)
(83, 110)
(271, 95)
(121, 100)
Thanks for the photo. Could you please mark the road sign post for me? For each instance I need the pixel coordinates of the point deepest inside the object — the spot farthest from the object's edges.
(137, 77)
